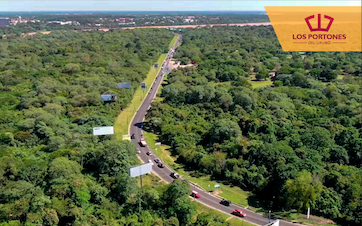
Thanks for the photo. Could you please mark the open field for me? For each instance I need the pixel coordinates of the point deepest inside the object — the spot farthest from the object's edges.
(340, 77)
(259, 84)
(313, 220)
(237, 222)
(234, 221)
(150, 180)
(124, 118)
(254, 83)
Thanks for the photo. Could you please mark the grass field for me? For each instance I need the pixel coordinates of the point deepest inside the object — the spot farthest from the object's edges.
(234, 221)
(124, 118)
(150, 180)
(259, 84)
(314, 220)
(254, 83)
(173, 41)
(237, 222)
(340, 77)
(235, 194)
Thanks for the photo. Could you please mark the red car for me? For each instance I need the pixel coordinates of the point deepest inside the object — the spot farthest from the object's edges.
(239, 213)
(195, 194)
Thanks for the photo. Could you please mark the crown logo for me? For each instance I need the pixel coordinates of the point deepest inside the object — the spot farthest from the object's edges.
(319, 23)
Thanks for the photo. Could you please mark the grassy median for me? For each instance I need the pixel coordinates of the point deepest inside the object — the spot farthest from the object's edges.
(173, 41)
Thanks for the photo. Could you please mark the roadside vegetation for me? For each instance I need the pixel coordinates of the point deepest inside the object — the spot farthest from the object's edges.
(123, 120)
(233, 193)
(53, 171)
(204, 215)
(293, 144)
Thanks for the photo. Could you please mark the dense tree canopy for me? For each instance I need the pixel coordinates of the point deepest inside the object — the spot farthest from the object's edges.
(53, 171)
(298, 141)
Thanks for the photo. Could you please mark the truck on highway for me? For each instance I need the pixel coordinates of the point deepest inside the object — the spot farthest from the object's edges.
(143, 143)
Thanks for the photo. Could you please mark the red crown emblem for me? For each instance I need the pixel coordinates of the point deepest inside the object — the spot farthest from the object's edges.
(319, 23)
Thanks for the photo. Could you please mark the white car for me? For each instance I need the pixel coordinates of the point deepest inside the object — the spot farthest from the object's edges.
(150, 161)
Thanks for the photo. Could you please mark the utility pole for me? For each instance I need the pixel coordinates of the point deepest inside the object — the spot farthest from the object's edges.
(140, 205)
(269, 215)
(308, 212)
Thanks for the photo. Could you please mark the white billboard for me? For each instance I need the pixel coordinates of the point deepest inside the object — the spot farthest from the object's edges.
(105, 130)
(141, 169)
(124, 85)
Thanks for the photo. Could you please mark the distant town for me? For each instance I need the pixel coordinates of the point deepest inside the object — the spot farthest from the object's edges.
(125, 20)
(121, 21)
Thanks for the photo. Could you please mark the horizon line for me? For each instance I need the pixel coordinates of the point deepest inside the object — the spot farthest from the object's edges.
(50, 10)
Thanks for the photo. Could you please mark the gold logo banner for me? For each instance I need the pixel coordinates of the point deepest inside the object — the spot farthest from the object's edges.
(312, 29)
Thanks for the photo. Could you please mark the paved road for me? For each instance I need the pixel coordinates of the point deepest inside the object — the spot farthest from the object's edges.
(164, 173)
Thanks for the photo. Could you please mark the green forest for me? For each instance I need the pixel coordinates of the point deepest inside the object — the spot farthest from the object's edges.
(53, 171)
(294, 145)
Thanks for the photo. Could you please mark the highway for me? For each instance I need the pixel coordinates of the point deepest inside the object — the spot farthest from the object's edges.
(164, 173)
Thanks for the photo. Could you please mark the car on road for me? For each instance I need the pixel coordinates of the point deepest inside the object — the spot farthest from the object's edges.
(161, 165)
(175, 175)
(195, 194)
(239, 213)
(157, 160)
(225, 202)
(150, 161)
(133, 136)
(149, 153)
(143, 143)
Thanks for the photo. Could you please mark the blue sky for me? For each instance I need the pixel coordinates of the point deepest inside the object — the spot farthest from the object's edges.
(173, 5)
